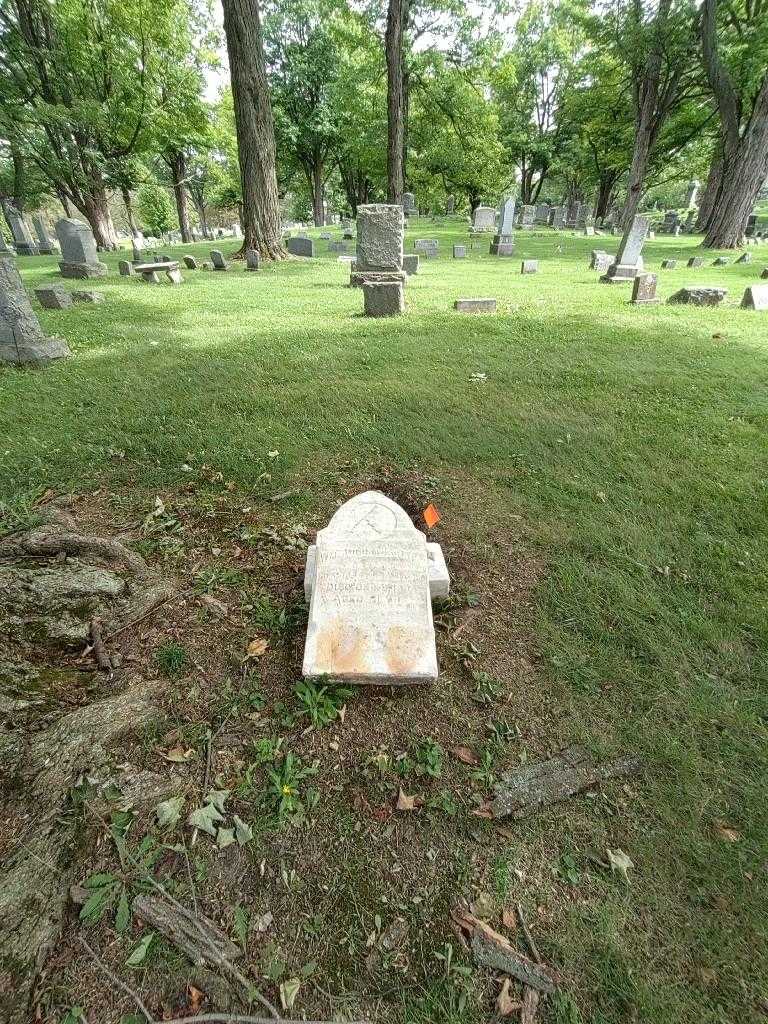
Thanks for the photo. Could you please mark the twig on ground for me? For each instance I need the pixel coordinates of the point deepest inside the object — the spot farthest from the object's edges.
(148, 612)
(117, 981)
(212, 736)
(189, 875)
(527, 933)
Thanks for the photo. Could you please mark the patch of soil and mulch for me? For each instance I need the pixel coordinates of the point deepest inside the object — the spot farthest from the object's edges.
(347, 825)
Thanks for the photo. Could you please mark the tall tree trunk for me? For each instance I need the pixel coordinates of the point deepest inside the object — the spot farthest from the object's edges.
(94, 206)
(128, 204)
(64, 200)
(393, 46)
(318, 209)
(648, 119)
(711, 191)
(745, 145)
(177, 162)
(606, 185)
(406, 111)
(255, 128)
(18, 177)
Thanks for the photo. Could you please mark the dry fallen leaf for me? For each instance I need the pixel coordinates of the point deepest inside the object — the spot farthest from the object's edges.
(177, 755)
(465, 755)
(620, 862)
(509, 918)
(484, 810)
(257, 647)
(407, 803)
(505, 1004)
(707, 976)
(726, 831)
(195, 998)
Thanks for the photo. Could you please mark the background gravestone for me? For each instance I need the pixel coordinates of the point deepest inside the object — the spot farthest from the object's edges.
(78, 250)
(22, 341)
(629, 262)
(503, 243)
(46, 245)
(22, 237)
(484, 219)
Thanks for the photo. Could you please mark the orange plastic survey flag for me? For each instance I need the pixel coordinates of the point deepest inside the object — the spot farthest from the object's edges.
(431, 516)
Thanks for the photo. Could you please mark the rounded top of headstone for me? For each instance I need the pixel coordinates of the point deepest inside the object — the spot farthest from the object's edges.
(369, 516)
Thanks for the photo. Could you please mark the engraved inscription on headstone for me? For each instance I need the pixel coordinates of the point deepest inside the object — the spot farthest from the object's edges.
(370, 617)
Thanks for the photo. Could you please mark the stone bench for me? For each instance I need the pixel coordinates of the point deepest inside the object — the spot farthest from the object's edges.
(149, 271)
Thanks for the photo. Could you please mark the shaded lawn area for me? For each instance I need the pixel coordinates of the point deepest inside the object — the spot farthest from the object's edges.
(623, 448)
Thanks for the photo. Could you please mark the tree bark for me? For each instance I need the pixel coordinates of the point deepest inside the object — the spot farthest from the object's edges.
(393, 47)
(18, 178)
(316, 182)
(255, 128)
(177, 164)
(128, 204)
(711, 191)
(745, 143)
(94, 206)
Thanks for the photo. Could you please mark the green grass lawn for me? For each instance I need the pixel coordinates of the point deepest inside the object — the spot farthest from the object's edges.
(627, 446)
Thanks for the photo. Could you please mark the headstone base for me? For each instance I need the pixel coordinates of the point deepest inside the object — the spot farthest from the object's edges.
(360, 277)
(502, 245)
(82, 271)
(32, 353)
(26, 249)
(383, 298)
(620, 274)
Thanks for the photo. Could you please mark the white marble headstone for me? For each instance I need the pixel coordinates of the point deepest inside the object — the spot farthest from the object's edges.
(370, 616)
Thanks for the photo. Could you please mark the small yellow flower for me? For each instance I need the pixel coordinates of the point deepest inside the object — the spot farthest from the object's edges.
(288, 791)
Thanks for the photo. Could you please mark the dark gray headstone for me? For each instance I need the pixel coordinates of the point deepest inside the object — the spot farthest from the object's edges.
(22, 341)
(46, 244)
(190, 262)
(668, 264)
(251, 259)
(217, 258)
(22, 236)
(53, 297)
(126, 268)
(411, 263)
(301, 247)
(78, 250)
(696, 261)
(699, 296)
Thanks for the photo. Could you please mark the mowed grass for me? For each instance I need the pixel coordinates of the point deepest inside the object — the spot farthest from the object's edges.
(630, 442)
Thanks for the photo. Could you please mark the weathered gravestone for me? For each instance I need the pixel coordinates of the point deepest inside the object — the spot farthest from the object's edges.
(379, 244)
(668, 264)
(484, 219)
(337, 246)
(46, 244)
(746, 257)
(558, 218)
(699, 296)
(22, 341)
(409, 203)
(252, 257)
(475, 305)
(755, 297)
(22, 237)
(411, 263)
(190, 262)
(691, 194)
(218, 261)
(600, 260)
(503, 243)
(542, 213)
(383, 298)
(53, 297)
(125, 267)
(370, 615)
(671, 218)
(459, 252)
(529, 267)
(629, 261)
(300, 246)
(644, 290)
(78, 250)
(696, 261)
(721, 261)
(86, 295)
(527, 216)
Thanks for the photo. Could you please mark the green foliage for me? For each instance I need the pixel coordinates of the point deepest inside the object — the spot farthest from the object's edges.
(156, 209)
(285, 788)
(429, 758)
(172, 659)
(321, 704)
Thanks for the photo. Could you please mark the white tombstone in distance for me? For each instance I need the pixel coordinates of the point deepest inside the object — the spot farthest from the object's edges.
(370, 581)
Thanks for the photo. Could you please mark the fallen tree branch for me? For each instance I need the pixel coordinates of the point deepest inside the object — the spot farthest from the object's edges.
(194, 935)
(490, 949)
(115, 980)
(527, 933)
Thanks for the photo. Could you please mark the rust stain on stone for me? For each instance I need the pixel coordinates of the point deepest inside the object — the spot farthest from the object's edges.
(403, 649)
(341, 648)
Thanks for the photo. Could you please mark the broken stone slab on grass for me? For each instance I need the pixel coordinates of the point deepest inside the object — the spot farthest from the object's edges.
(53, 297)
(707, 296)
(527, 789)
(86, 295)
(475, 305)
(370, 617)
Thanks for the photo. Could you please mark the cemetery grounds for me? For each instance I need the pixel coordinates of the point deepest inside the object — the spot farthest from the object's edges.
(600, 472)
